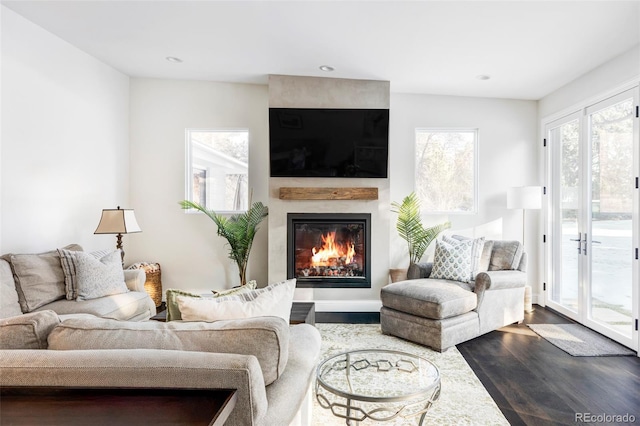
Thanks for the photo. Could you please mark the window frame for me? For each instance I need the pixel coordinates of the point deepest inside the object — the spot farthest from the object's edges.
(189, 167)
(476, 156)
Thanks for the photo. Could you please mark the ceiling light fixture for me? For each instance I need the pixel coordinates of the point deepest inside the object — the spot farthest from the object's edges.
(326, 68)
(483, 77)
(173, 59)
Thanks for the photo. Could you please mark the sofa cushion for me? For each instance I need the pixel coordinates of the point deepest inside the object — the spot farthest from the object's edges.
(28, 331)
(265, 338)
(429, 298)
(505, 255)
(273, 300)
(133, 305)
(452, 261)
(9, 304)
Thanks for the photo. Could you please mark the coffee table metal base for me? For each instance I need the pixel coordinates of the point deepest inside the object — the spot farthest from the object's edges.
(341, 379)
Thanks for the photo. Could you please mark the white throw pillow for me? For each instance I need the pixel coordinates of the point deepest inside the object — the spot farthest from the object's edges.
(452, 261)
(99, 277)
(274, 300)
(476, 251)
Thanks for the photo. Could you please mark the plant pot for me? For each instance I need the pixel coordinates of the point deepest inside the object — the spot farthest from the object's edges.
(398, 274)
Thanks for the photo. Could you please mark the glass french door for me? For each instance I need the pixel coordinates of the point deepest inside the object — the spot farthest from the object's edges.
(592, 216)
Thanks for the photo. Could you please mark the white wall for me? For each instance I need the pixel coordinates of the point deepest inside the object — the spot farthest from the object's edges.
(65, 145)
(508, 156)
(619, 70)
(191, 255)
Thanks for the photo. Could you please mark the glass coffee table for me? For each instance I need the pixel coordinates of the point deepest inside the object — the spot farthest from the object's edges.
(377, 384)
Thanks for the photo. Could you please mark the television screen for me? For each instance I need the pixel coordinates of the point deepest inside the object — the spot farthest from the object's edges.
(328, 142)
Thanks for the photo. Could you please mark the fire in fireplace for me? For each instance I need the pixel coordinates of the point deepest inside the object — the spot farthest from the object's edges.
(329, 249)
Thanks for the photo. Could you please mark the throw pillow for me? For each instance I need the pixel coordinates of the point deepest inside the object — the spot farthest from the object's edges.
(452, 261)
(476, 251)
(39, 278)
(97, 277)
(506, 255)
(273, 300)
(485, 257)
(173, 310)
(68, 262)
(251, 285)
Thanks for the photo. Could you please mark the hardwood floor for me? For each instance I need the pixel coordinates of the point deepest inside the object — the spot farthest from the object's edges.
(534, 382)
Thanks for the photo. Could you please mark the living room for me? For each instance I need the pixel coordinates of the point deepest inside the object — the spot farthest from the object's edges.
(86, 127)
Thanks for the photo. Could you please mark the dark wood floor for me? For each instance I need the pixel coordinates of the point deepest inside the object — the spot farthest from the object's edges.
(534, 382)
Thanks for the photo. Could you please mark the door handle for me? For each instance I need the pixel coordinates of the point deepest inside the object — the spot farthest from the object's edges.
(578, 240)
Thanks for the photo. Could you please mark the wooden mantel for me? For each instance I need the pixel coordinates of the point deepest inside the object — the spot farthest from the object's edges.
(300, 193)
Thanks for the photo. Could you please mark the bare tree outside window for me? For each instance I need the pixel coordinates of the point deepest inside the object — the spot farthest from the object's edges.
(218, 166)
(446, 170)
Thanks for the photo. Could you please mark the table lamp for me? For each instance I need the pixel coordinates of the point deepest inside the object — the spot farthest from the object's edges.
(118, 221)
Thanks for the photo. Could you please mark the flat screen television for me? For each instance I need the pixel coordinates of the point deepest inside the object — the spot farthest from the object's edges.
(312, 142)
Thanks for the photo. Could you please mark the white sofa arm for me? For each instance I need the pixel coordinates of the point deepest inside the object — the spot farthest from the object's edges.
(135, 279)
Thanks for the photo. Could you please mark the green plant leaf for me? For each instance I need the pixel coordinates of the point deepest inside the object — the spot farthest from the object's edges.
(238, 229)
(411, 229)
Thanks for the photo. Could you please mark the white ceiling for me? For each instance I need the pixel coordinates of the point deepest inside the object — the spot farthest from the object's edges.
(529, 48)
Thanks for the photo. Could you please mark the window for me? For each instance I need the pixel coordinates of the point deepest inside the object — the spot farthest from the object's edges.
(446, 170)
(218, 169)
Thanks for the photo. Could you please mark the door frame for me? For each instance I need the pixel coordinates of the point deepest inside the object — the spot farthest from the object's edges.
(582, 111)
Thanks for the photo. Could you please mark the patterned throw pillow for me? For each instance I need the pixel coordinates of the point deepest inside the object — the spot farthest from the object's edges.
(476, 251)
(94, 276)
(452, 261)
(68, 262)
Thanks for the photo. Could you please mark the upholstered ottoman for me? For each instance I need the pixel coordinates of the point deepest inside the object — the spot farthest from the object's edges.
(436, 313)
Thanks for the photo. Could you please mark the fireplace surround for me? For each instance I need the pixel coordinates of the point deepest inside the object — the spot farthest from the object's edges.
(329, 250)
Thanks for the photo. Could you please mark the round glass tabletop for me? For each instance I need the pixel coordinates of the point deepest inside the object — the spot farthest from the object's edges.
(398, 380)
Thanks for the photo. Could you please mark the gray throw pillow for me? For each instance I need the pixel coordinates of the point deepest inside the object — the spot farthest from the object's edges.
(68, 262)
(98, 277)
(506, 255)
(39, 277)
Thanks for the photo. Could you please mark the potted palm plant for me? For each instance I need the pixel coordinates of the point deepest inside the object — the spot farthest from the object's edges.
(238, 229)
(411, 229)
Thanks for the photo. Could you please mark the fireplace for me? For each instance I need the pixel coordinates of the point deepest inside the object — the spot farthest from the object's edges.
(329, 249)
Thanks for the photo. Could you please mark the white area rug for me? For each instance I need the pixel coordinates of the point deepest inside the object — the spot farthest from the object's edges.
(578, 340)
(463, 399)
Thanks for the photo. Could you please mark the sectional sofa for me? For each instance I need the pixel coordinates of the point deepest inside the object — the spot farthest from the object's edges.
(269, 363)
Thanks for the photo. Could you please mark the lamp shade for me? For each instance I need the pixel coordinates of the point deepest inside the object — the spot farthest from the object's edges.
(524, 197)
(118, 221)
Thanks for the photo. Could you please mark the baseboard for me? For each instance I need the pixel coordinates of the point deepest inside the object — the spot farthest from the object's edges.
(347, 305)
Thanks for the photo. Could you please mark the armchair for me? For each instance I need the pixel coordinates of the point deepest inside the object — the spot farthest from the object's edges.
(441, 313)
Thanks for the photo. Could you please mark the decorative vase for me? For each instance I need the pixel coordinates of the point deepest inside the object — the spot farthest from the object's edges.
(398, 274)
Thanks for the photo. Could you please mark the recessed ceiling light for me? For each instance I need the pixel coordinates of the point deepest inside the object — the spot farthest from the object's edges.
(173, 59)
(483, 77)
(326, 68)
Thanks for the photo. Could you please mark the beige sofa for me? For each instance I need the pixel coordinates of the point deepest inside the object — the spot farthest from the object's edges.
(441, 313)
(46, 291)
(77, 344)
(270, 364)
